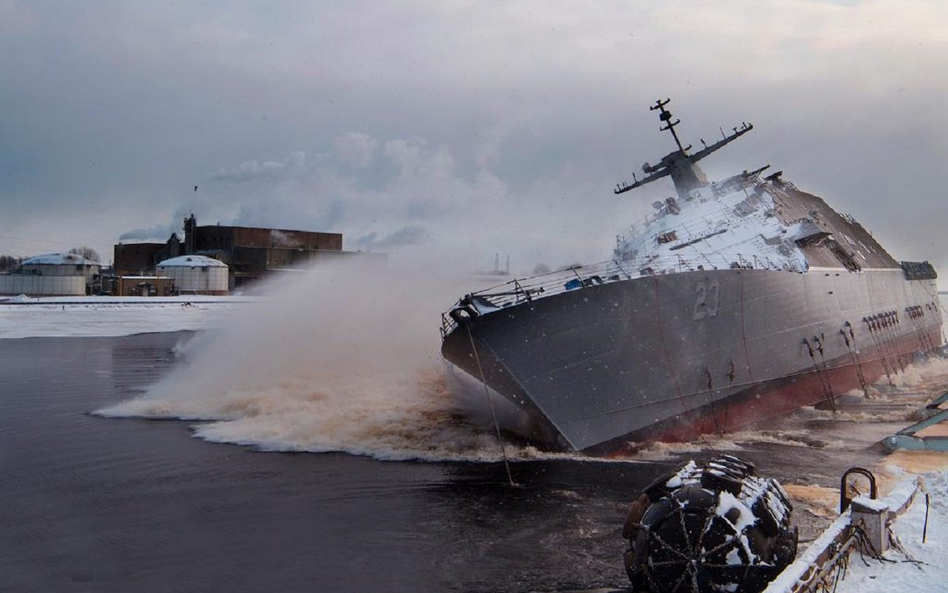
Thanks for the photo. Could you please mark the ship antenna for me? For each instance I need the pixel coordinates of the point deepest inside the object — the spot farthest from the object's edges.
(666, 116)
(687, 175)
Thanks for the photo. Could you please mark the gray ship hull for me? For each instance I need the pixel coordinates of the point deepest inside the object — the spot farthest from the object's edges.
(671, 356)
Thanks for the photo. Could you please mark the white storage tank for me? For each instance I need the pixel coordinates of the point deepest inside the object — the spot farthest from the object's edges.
(60, 264)
(196, 274)
(52, 274)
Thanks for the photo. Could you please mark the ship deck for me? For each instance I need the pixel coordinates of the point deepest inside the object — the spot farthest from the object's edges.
(531, 288)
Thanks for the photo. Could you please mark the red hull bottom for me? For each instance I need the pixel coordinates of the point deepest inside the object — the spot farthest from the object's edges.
(781, 397)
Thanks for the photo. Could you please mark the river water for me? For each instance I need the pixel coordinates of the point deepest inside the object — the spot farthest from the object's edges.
(103, 504)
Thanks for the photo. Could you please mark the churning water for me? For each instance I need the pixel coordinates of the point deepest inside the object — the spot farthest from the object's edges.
(333, 361)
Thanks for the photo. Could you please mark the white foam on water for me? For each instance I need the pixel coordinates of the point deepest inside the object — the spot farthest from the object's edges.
(659, 451)
(926, 373)
(334, 360)
(900, 414)
(790, 438)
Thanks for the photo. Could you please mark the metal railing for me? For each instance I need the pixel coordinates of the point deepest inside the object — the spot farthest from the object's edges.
(521, 290)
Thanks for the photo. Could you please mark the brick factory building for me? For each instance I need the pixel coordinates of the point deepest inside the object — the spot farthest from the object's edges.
(249, 252)
(141, 258)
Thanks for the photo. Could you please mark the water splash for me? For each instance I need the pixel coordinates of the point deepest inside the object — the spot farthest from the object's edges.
(335, 360)
(344, 359)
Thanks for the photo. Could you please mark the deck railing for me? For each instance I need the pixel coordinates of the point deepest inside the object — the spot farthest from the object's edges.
(521, 290)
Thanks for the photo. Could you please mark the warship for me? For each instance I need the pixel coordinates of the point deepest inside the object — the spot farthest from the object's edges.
(735, 301)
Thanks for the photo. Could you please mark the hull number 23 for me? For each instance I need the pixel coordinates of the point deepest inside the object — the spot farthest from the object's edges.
(706, 301)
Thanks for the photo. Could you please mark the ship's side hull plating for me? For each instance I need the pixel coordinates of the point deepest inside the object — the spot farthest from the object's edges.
(677, 354)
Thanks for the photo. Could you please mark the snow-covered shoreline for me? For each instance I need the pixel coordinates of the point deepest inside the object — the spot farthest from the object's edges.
(117, 300)
(27, 317)
(911, 565)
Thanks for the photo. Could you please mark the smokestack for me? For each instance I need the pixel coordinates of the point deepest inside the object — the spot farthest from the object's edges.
(190, 228)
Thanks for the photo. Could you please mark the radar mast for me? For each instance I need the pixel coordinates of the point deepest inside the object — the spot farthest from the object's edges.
(681, 166)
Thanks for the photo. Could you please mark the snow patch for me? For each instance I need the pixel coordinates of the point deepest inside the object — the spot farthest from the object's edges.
(26, 317)
(727, 502)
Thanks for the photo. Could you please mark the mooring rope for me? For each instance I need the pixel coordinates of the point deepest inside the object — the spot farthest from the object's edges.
(883, 340)
(918, 336)
(889, 320)
(932, 307)
(731, 373)
(714, 415)
(915, 316)
(819, 348)
(827, 391)
(882, 355)
(490, 403)
(854, 355)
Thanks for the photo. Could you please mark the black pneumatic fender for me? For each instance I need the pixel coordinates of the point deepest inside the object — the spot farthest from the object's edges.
(713, 528)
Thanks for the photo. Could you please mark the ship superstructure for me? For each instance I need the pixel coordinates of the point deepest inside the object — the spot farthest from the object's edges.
(733, 301)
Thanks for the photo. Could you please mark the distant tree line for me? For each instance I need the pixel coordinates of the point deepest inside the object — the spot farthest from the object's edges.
(86, 252)
(9, 262)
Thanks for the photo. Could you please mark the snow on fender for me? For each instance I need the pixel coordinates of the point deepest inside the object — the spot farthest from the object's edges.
(716, 528)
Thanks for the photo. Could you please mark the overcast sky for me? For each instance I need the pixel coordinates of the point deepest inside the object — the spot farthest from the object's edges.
(454, 130)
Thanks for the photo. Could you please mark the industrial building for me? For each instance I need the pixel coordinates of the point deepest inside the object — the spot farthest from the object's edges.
(143, 285)
(52, 274)
(249, 253)
(142, 258)
(253, 252)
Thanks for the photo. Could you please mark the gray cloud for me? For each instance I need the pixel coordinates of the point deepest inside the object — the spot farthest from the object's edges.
(294, 164)
(356, 149)
(494, 129)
